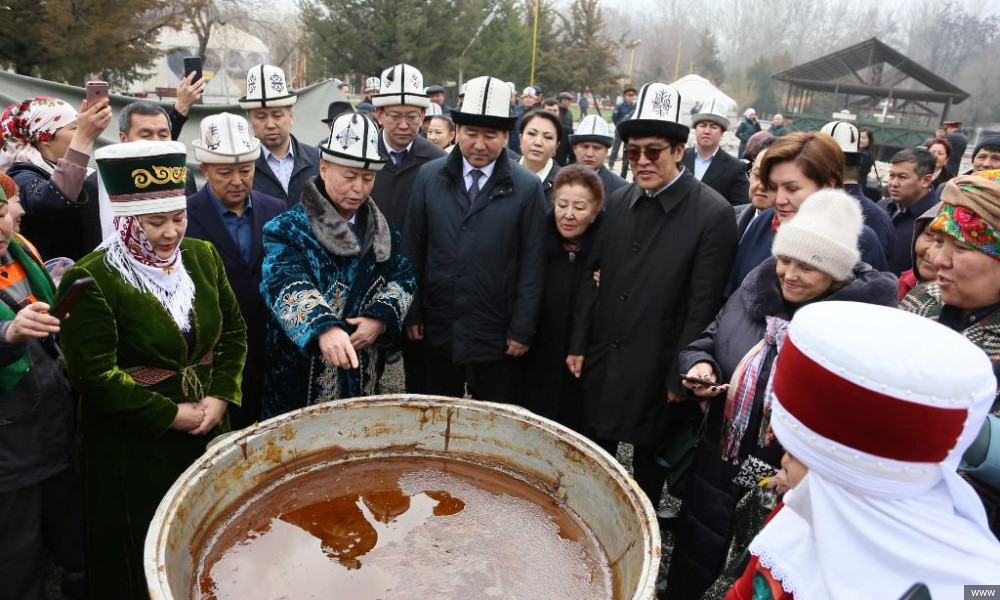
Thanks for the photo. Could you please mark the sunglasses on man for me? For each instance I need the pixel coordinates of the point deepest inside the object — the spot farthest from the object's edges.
(652, 153)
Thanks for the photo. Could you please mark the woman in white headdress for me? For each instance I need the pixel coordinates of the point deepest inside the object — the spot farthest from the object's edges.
(874, 427)
(47, 148)
(155, 347)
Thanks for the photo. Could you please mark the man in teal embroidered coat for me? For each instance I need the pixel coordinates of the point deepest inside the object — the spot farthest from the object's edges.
(334, 278)
(156, 349)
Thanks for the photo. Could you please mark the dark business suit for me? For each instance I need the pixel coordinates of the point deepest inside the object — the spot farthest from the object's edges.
(725, 175)
(306, 169)
(391, 194)
(205, 223)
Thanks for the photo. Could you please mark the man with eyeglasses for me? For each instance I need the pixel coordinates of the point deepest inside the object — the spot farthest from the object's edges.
(400, 106)
(664, 254)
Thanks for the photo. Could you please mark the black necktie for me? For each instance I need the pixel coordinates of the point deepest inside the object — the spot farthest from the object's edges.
(474, 188)
(398, 158)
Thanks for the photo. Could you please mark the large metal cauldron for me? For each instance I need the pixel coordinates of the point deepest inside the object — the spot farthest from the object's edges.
(567, 465)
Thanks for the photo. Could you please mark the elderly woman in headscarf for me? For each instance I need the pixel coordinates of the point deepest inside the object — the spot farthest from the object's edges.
(965, 293)
(13, 195)
(155, 347)
(40, 508)
(874, 408)
(47, 148)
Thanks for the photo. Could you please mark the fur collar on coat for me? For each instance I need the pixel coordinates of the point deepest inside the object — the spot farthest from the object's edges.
(333, 232)
(762, 297)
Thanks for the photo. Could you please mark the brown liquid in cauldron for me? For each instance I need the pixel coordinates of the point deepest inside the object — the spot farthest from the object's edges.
(405, 528)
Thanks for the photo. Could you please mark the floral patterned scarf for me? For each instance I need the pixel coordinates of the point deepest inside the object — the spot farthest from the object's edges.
(26, 124)
(130, 253)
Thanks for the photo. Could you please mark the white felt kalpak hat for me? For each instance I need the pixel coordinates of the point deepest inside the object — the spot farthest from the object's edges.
(593, 128)
(373, 84)
(487, 104)
(712, 111)
(848, 138)
(144, 177)
(434, 110)
(266, 88)
(401, 84)
(657, 113)
(226, 139)
(353, 142)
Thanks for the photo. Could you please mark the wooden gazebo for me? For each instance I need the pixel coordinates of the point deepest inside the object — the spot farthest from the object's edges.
(889, 92)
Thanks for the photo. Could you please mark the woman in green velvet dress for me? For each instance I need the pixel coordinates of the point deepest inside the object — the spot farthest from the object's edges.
(156, 349)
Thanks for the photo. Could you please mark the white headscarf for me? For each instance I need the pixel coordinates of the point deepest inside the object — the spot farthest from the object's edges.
(26, 124)
(749, 112)
(882, 506)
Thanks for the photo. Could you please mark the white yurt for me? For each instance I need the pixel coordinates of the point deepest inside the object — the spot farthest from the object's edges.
(698, 93)
(230, 53)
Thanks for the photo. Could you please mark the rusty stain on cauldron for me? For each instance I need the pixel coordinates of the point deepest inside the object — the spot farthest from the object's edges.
(447, 431)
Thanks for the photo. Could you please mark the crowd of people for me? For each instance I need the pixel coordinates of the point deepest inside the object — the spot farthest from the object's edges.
(758, 327)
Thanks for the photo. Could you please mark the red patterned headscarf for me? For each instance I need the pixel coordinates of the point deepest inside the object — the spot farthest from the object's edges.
(9, 186)
(26, 124)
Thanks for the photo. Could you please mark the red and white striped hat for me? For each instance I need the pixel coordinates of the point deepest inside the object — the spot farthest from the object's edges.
(876, 398)
(880, 404)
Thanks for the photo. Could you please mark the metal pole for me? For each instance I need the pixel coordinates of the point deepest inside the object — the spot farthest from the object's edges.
(486, 21)
(677, 63)
(534, 45)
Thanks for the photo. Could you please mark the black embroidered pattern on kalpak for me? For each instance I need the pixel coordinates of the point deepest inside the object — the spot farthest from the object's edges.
(347, 137)
(660, 104)
(214, 139)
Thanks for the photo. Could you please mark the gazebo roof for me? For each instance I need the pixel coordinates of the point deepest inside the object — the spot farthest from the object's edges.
(872, 68)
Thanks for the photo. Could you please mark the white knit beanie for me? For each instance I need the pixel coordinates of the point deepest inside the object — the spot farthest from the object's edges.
(824, 233)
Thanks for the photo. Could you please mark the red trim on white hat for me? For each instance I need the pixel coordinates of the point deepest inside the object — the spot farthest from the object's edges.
(845, 412)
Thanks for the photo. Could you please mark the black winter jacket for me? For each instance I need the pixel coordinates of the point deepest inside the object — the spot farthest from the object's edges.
(58, 226)
(306, 168)
(480, 269)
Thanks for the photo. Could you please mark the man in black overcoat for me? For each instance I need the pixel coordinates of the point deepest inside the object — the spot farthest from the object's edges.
(474, 235)
(712, 165)
(663, 255)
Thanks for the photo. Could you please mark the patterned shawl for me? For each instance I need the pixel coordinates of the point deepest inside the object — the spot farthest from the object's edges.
(743, 391)
(130, 253)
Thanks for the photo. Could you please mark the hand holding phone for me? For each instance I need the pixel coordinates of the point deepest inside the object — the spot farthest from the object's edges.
(96, 91)
(699, 381)
(74, 293)
(193, 64)
(31, 322)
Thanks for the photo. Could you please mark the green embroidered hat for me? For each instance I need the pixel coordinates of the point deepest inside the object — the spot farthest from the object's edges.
(144, 177)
